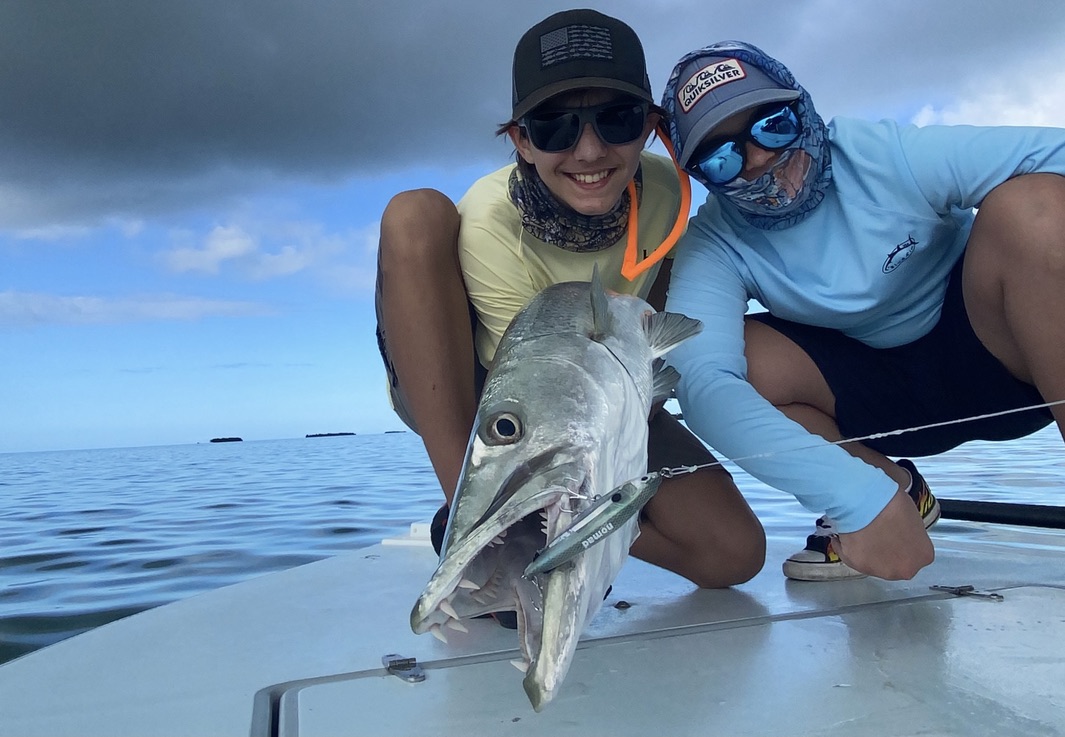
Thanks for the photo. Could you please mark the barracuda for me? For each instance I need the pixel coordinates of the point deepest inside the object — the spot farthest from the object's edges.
(561, 422)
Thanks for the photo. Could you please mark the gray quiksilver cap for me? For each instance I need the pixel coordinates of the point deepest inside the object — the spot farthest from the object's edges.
(577, 49)
(714, 88)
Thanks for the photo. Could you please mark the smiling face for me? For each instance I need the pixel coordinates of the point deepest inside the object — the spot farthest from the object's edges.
(591, 176)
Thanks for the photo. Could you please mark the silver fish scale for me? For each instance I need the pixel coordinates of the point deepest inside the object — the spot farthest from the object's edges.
(560, 308)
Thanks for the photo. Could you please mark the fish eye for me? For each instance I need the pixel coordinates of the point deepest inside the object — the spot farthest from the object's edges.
(503, 429)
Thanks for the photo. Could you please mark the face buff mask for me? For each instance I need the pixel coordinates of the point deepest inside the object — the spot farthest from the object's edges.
(777, 191)
(796, 184)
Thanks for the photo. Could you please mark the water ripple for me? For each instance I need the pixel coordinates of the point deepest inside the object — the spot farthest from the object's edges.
(92, 536)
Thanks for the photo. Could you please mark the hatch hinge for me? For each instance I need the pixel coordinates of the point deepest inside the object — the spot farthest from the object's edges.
(968, 590)
(406, 669)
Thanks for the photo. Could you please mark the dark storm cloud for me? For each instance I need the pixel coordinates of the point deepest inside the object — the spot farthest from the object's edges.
(134, 107)
(127, 102)
(174, 86)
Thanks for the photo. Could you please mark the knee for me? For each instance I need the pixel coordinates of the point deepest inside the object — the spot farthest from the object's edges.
(736, 560)
(713, 575)
(782, 372)
(420, 207)
(750, 556)
(1023, 221)
(1029, 197)
(420, 225)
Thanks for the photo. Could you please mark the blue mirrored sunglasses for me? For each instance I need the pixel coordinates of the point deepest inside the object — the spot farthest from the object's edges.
(720, 160)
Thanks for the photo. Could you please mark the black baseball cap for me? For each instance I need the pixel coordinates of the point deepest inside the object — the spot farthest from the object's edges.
(576, 49)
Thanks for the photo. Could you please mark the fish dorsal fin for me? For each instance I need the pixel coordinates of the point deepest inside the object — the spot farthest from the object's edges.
(667, 330)
(600, 310)
(664, 381)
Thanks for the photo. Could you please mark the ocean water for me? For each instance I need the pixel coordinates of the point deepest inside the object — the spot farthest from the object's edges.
(90, 536)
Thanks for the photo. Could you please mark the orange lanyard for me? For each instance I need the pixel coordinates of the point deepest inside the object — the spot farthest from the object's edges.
(630, 268)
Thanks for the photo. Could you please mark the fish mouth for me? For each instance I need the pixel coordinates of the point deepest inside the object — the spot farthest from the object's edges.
(483, 572)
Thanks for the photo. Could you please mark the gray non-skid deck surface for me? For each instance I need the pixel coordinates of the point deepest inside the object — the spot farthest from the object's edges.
(768, 657)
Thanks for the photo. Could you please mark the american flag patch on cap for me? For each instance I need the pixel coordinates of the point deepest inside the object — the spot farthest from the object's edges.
(575, 42)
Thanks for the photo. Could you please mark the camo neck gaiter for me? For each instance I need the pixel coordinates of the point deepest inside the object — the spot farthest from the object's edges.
(789, 192)
(551, 221)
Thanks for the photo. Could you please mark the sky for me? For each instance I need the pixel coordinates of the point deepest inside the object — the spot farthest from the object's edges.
(191, 192)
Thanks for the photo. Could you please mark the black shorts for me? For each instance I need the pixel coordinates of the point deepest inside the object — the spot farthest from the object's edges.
(946, 375)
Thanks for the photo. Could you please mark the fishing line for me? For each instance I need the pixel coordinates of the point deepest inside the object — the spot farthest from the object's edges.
(682, 470)
(603, 517)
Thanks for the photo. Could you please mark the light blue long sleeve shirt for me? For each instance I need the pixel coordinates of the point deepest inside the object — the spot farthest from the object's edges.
(871, 260)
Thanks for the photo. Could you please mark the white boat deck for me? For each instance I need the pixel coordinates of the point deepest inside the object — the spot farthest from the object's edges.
(300, 653)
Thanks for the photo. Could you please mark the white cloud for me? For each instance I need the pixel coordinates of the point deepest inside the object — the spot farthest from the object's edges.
(356, 274)
(350, 279)
(264, 250)
(57, 232)
(223, 243)
(130, 228)
(295, 247)
(34, 309)
(1022, 99)
(53, 233)
(289, 260)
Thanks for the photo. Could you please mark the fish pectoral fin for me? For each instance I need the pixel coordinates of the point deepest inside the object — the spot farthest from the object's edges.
(666, 330)
(663, 382)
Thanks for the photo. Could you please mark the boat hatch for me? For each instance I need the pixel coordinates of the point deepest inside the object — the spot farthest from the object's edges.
(931, 663)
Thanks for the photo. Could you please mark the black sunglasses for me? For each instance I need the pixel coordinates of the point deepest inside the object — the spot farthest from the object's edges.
(772, 128)
(558, 130)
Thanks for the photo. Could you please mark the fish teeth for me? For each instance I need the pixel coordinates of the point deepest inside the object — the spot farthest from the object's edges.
(438, 633)
(447, 608)
(468, 584)
(485, 593)
(520, 665)
(489, 589)
(456, 625)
